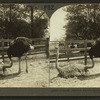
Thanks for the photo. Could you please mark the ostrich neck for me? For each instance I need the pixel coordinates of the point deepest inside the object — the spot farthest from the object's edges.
(88, 67)
(57, 57)
(8, 66)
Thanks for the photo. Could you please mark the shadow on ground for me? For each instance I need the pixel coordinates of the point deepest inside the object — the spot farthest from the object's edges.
(9, 76)
(89, 77)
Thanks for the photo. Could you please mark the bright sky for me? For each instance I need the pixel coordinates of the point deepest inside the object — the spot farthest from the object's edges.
(57, 32)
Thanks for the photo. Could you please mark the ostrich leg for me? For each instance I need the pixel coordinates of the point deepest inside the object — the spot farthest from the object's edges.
(26, 63)
(7, 66)
(19, 65)
(89, 67)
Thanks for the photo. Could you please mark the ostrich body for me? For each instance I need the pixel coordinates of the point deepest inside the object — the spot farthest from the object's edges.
(94, 52)
(18, 47)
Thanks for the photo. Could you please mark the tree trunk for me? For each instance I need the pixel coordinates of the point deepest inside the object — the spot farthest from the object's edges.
(32, 9)
(10, 15)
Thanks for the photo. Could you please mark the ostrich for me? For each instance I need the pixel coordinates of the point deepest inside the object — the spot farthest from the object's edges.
(18, 47)
(94, 52)
(67, 71)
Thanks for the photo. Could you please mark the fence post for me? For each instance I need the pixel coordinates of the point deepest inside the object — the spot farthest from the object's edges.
(57, 56)
(85, 53)
(67, 52)
(2, 45)
(47, 47)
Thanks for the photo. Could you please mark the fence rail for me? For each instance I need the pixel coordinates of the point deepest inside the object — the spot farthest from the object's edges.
(65, 49)
(42, 45)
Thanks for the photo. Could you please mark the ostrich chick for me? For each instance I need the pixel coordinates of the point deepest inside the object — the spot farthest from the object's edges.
(18, 47)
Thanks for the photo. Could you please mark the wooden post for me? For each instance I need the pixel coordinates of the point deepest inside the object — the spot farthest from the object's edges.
(85, 53)
(67, 52)
(47, 47)
(2, 44)
(57, 56)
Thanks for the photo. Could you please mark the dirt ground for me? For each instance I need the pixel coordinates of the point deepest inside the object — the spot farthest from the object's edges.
(92, 79)
(38, 75)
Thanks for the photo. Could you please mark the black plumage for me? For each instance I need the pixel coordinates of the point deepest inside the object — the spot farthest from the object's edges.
(17, 48)
(94, 52)
(95, 49)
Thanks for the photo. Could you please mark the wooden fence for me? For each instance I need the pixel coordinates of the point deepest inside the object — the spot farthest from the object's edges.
(41, 46)
(70, 53)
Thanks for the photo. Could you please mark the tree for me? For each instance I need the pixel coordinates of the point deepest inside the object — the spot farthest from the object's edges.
(83, 20)
(39, 27)
(21, 20)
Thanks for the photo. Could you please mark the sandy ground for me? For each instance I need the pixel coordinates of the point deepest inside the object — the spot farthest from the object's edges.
(92, 79)
(38, 67)
(38, 75)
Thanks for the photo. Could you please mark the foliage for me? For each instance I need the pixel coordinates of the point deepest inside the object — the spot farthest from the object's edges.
(83, 20)
(41, 24)
(15, 20)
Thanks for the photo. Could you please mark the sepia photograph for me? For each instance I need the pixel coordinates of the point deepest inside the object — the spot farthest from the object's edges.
(75, 46)
(49, 45)
(24, 46)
